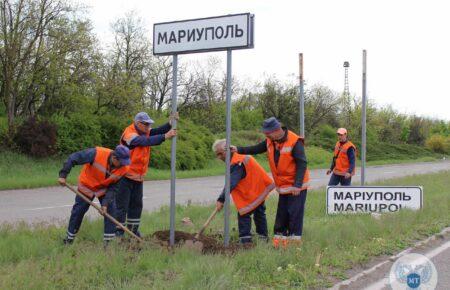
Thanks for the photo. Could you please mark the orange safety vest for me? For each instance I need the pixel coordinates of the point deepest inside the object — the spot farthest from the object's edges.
(284, 173)
(140, 156)
(342, 163)
(92, 180)
(254, 188)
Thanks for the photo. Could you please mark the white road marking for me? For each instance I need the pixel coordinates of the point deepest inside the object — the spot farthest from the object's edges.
(393, 258)
(53, 207)
(431, 254)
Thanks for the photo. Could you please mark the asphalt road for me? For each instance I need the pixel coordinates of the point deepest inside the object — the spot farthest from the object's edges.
(53, 204)
(437, 251)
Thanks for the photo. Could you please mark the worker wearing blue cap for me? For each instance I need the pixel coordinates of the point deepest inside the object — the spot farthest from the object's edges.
(286, 154)
(139, 137)
(102, 169)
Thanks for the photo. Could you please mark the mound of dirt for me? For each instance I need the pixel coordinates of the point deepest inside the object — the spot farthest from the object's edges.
(210, 244)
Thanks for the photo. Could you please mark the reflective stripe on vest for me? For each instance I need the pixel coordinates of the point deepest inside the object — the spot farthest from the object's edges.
(342, 163)
(140, 156)
(290, 189)
(91, 193)
(284, 172)
(105, 171)
(95, 178)
(262, 197)
(253, 189)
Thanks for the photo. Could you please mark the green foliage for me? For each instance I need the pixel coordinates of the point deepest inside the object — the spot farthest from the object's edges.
(77, 131)
(3, 130)
(438, 144)
(111, 129)
(281, 101)
(193, 148)
(386, 151)
(325, 137)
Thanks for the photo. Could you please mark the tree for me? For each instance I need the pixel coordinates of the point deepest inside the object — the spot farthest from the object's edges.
(24, 30)
(122, 80)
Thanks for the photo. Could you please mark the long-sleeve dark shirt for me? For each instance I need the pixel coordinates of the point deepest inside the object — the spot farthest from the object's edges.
(298, 153)
(84, 157)
(237, 173)
(156, 137)
(351, 159)
(77, 158)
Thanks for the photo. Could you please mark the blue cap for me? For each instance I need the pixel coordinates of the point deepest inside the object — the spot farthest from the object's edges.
(143, 117)
(123, 154)
(270, 125)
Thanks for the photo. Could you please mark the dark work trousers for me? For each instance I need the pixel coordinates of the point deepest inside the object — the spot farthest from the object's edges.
(129, 204)
(80, 208)
(245, 224)
(290, 212)
(336, 179)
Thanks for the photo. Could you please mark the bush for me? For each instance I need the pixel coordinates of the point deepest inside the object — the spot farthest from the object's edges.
(247, 119)
(388, 151)
(438, 144)
(193, 148)
(111, 129)
(77, 132)
(325, 137)
(36, 138)
(3, 131)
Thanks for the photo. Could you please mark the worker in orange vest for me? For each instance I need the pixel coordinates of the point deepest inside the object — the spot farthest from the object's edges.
(138, 137)
(343, 164)
(249, 187)
(102, 169)
(286, 154)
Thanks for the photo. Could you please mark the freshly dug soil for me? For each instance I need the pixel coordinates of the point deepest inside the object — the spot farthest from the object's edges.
(210, 244)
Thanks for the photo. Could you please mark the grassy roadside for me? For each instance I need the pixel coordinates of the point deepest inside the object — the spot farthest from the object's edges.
(19, 171)
(35, 259)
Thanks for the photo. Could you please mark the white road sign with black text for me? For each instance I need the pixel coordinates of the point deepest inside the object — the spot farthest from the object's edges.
(367, 199)
(205, 34)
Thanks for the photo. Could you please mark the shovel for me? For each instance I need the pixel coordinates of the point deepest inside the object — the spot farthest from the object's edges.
(104, 213)
(195, 243)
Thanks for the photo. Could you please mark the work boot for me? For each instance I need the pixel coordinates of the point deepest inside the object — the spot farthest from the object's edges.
(295, 241)
(276, 241)
(284, 242)
(106, 243)
(263, 238)
(135, 230)
(67, 241)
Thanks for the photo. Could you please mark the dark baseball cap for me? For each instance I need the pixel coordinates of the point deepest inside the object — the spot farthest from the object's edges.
(270, 125)
(122, 153)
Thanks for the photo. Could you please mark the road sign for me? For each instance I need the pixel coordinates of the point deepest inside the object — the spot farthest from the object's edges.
(367, 199)
(204, 34)
(226, 32)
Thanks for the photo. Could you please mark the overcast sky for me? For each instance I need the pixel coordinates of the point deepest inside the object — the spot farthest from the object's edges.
(407, 43)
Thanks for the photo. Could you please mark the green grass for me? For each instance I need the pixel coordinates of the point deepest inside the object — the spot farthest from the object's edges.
(34, 258)
(19, 171)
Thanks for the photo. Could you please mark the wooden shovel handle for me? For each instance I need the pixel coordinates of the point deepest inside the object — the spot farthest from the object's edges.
(103, 213)
(207, 223)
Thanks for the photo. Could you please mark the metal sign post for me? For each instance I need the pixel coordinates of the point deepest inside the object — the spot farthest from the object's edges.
(173, 152)
(363, 120)
(228, 155)
(227, 32)
(302, 97)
